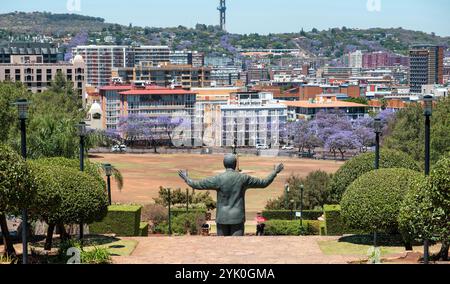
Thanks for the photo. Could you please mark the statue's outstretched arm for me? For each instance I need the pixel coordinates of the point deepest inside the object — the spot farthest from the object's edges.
(206, 184)
(263, 183)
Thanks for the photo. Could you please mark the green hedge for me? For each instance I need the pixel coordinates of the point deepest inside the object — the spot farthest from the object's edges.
(143, 228)
(333, 220)
(292, 228)
(122, 220)
(175, 212)
(286, 214)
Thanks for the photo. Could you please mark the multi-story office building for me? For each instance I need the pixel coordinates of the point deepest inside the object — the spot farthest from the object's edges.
(383, 59)
(100, 60)
(48, 53)
(185, 76)
(426, 66)
(194, 58)
(342, 73)
(251, 118)
(225, 76)
(37, 75)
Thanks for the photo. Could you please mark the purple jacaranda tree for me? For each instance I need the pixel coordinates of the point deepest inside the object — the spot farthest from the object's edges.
(326, 124)
(303, 135)
(363, 129)
(342, 141)
(81, 38)
(168, 125)
(387, 116)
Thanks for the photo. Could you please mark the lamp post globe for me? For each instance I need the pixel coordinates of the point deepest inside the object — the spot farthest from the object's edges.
(108, 172)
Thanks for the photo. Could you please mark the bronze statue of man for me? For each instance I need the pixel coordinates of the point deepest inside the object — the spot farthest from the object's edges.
(231, 187)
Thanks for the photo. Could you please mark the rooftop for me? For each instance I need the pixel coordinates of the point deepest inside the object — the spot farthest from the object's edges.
(334, 104)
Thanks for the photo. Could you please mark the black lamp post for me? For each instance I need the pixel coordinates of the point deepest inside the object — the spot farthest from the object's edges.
(170, 213)
(22, 107)
(108, 172)
(302, 187)
(187, 199)
(292, 209)
(428, 111)
(82, 132)
(378, 127)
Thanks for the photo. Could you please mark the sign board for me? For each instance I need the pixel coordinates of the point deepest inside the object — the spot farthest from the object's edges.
(298, 214)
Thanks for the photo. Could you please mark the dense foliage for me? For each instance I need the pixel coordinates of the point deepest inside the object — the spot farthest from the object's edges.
(315, 193)
(373, 201)
(407, 132)
(189, 223)
(179, 197)
(364, 163)
(425, 213)
(291, 228)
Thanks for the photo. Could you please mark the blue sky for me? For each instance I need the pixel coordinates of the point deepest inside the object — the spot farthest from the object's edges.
(261, 16)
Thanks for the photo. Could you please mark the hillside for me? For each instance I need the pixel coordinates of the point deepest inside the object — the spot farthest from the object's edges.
(331, 43)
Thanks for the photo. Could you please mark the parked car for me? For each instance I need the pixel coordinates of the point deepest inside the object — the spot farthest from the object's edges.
(262, 147)
(119, 148)
(287, 147)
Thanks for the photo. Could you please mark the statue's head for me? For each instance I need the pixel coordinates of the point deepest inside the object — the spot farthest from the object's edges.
(230, 162)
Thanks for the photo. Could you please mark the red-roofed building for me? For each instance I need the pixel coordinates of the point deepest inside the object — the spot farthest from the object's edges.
(122, 100)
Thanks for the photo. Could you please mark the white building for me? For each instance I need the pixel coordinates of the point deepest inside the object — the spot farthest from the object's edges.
(355, 59)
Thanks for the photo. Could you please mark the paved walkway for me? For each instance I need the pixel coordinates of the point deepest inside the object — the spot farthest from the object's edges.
(238, 250)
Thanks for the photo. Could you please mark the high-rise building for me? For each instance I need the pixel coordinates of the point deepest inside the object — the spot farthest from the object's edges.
(48, 52)
(426, 66)
(194, 58)
(101, 60)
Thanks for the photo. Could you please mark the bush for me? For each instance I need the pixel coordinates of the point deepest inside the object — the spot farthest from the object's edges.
(333, 221)
(315, 194)
(291, 228)
(182, 224)
(287, 215)
(92, 256)
(143, 228)
(122, 220)
(364, 163)
(154, 213)
(425, 212)
(178, 198)
(181, 211)
(372, 202)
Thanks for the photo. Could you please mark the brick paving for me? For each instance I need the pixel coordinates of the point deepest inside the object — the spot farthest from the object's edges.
(237, 250)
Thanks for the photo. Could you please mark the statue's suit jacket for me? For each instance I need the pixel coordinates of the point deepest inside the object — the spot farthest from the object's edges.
(231, 187)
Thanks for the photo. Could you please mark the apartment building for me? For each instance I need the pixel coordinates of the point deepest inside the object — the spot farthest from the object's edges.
(48, 53)
(101, 60)
(185, 76)
(37, 74)
(194, 58)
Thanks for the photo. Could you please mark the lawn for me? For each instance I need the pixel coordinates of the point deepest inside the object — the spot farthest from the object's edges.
(145, 173)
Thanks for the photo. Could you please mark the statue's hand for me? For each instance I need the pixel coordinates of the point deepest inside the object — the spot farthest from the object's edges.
(279, 168)
(184, 175)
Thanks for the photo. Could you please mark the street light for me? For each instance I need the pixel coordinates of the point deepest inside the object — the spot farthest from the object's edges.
(378, 127)
(428, 111)
(82, 132)
(108, 172)
(292, 209)
(22, 108)
(187, 200)
(302, 187)
(170, 219)
(286, 190)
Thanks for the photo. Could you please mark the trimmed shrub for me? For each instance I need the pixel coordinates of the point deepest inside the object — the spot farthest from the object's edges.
(425, 212)
(154, 214)
(372, 202)
(292, 228)
(67, 196)
(122, 220)
(364, 163)
(286, 214)
(143, 228)
(175, 212)
(333, 221)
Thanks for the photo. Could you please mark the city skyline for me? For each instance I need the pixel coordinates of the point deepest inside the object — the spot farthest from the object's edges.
(251, 16)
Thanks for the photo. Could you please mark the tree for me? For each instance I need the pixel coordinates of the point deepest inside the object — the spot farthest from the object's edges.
(303, 136)
(16, 190)
(315, 193)
(342, 142)
(364, 163)
(169, 124)
(425, 213)
(407, 131)
(372, 202)
(67, 196)
(179, 197)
